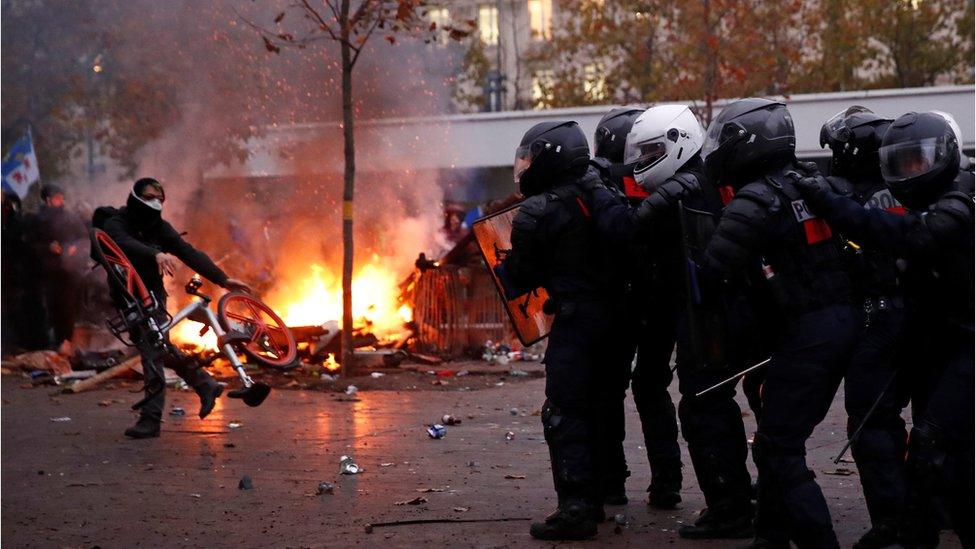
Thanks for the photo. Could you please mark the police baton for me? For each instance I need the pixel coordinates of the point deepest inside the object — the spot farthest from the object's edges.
(867, 416)
(736, 376)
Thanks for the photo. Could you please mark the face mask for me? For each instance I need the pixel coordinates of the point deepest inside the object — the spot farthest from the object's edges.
(155, 203)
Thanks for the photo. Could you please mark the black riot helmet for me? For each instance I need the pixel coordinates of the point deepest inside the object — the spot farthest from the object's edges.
(748, 138)
(611, 133)
(854, 136)
(549, 150)
(920, 156)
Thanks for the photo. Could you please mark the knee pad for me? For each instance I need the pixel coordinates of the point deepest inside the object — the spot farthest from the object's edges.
(926, 450)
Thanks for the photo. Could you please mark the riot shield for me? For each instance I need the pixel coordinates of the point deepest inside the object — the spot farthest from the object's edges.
(707, 323)
(494, 236)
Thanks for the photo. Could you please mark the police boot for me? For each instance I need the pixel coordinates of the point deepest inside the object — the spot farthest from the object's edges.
(882, 535)
(665, 490)
(615, 493)
(573, 520)
(727, 522)
(208, 398)
(146, 427)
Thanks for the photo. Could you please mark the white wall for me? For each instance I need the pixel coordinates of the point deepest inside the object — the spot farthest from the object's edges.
(489, 139)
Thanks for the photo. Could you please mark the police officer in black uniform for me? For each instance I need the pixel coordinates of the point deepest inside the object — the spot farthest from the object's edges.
(751, 145)
(651, 327)
(920, 160)
(153, 247)
(555, 245)
(665, 142)
(854, 136)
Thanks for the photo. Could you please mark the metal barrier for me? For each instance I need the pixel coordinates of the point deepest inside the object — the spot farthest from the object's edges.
(457, 309)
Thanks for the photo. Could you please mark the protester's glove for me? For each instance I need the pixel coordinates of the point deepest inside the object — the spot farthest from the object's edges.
(235, 285)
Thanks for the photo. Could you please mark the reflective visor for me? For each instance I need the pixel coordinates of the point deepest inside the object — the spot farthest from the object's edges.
(644, 155)
(836, 128)
(903, 161)
(523, 159)
(714, 137)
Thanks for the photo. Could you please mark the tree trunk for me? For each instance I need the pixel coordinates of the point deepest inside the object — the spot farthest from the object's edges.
(349, 179)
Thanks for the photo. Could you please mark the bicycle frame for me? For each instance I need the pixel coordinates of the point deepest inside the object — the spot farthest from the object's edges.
(201, 306)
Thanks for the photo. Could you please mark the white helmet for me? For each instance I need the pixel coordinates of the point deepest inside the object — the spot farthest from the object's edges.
(662, 140)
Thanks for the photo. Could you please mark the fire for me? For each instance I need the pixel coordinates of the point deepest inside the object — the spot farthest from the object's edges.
(314, 297)
(187, 333)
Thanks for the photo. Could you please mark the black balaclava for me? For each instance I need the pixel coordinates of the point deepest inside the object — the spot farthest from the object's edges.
(142, 213)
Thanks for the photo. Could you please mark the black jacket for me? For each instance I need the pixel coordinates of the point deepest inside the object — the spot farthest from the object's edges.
(141, 244)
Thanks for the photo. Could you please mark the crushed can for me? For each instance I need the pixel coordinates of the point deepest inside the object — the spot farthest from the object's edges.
(348, 467)
(436, 431)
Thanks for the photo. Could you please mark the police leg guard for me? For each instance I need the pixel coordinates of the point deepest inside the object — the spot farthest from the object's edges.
(924, 468)
(790, 504)
(569, 441)
(879, 452)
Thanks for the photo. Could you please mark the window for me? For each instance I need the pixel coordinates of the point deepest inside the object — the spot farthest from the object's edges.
(540, 19)
(542, 82)
(442, 18)
(488, 24)
(594, 83)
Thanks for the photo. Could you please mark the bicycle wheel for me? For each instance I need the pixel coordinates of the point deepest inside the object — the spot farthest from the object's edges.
(270, 342)
(122, 276)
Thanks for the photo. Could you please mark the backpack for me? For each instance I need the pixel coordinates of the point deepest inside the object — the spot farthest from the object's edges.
(103, 214)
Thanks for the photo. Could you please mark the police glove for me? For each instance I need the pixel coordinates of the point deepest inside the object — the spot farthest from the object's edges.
(666, 195)
(814, 189)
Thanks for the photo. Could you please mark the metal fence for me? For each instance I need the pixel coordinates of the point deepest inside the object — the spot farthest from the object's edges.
(457, 309)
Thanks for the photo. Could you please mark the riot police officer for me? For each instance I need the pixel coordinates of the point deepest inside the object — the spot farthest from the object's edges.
(555, 245)
(751, 145)
(663, 148)
(650, 328)
(920, 159)
(854, 136)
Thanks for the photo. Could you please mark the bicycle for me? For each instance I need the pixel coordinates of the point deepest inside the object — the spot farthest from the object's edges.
(243, 324)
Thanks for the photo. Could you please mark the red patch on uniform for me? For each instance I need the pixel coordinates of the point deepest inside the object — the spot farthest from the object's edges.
(633, 190)
(726, 193)
(899, 210)
(582, 205)
(817, 230)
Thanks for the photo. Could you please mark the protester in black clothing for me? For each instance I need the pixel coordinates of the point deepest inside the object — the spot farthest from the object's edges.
(23, 324)
(60, 242)
(154, 247)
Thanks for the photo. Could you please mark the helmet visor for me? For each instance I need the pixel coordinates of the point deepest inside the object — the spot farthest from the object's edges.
(903, 161)
(644, 155)
(523, 159)
(718, 133)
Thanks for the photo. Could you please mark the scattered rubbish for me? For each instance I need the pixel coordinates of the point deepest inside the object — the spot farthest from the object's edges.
(445, 373)
(439, 382)
(474, 464)
(198, 496)
(462, 509)
(620, 519)
(351, 390)
(348, 467)
(415, 501)
(230, 445)
(387, 464)
(841, 472)
(324, 488)
(462, 373)
(429, 490)
(499, 384)
(509, 436)
(518, 373)
(235, 425)
(177, 411)
(106, 403)
(372, 525)
(327, 377)
(245, 483)
(376, 375)
(436, 431)
(515, 477)
(513, 411)
(62, 419)
(47, 361)
(448, 419)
